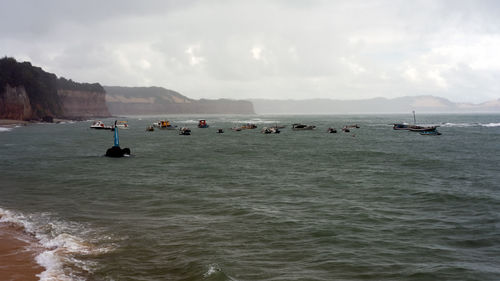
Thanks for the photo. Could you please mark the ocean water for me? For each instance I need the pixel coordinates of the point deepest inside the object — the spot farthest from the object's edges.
(372, 204)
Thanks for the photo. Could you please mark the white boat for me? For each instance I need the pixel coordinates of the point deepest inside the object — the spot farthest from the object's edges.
(185, 131)
(270, 130)
(100, 125)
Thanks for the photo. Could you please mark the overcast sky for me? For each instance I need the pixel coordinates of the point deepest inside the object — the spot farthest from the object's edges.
(265, 49)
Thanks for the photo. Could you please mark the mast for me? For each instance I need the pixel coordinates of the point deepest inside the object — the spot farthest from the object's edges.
(414, 119)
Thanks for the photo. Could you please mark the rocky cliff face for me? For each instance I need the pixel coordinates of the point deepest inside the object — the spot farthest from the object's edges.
(28, 92)
(15, 103)
(82, 104)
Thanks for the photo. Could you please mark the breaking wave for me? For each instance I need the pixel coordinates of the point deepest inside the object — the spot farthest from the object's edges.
(67, 247)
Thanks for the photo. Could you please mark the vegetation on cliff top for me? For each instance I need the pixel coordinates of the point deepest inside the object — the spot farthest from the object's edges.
(41, 86)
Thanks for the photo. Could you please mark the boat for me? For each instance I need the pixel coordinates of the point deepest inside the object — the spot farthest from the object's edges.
(184, 131)
(352, 126)
(236, 129)
(220, 131)
(202, 124)
(401, 126)
(150, 129)
(122, 124)
(430, 133)
(414, 127)
(346, 130)
(100, 126)
(302, 127)
(164, 124)
(270, 130)
(331, 130)
(423, 128)
(249, 126)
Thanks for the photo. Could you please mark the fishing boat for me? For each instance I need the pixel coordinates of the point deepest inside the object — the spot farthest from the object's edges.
(270, 130)
(414, 127)
(220, 131)
(352, 126)
(331, 130)
(184, 131)
(164, 124)
(249, 126)
(236, 129)
(302, 127)
(122, 124)
(150, 128)
(202, 124)
(346, 130)
(100, 126)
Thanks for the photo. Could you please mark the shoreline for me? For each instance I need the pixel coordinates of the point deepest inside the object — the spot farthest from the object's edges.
(18, 251)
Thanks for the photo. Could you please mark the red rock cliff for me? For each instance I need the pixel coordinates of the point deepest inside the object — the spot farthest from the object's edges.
(15, 103)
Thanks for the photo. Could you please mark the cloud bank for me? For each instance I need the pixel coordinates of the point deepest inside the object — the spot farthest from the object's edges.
(265, 49)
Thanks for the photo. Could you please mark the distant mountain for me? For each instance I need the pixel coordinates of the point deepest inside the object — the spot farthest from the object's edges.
(157, 100)
(427, 104)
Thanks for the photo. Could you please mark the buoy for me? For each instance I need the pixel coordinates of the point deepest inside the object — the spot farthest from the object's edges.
(115, 150)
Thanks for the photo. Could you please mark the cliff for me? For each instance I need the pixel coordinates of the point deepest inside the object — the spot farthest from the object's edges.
(82, 104)
(15, 103)
(157, 100)
(29, 93)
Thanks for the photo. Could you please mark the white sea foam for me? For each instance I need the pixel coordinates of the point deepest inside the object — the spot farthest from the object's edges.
(212, 269)
(60, 242)
(256, 121)
(491, 125)
(187, 121)
(464, 125)
(460, 125)
(3, 129)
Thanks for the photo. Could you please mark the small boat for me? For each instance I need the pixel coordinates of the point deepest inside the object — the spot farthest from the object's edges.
(184, 131)
(236, 129)
(400, 126)
(331, 130)
(346, 130)
(122, 124)
(430, 133)
(270, 130)
(249, 126)
(302, 127)
(150, 129)
(164, 124)
(100, 126)
(352, 126)
(202, 124)
(220, 131)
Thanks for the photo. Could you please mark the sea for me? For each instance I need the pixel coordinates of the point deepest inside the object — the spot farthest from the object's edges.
(370, 204)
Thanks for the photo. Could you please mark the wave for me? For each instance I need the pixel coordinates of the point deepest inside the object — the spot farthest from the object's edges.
(3, 129)
(464, 125)
(66, 246)
(491, 125)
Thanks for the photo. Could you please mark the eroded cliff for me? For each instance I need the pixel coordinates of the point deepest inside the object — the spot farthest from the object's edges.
(15, 103)
(82, 104)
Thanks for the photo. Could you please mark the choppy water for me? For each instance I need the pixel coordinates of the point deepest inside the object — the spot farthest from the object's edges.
(373, 204)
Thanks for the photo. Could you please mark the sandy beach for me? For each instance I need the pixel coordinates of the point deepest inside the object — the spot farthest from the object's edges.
(17, 259)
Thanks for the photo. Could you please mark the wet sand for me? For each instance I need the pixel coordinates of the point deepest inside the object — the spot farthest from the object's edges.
(17, 262)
